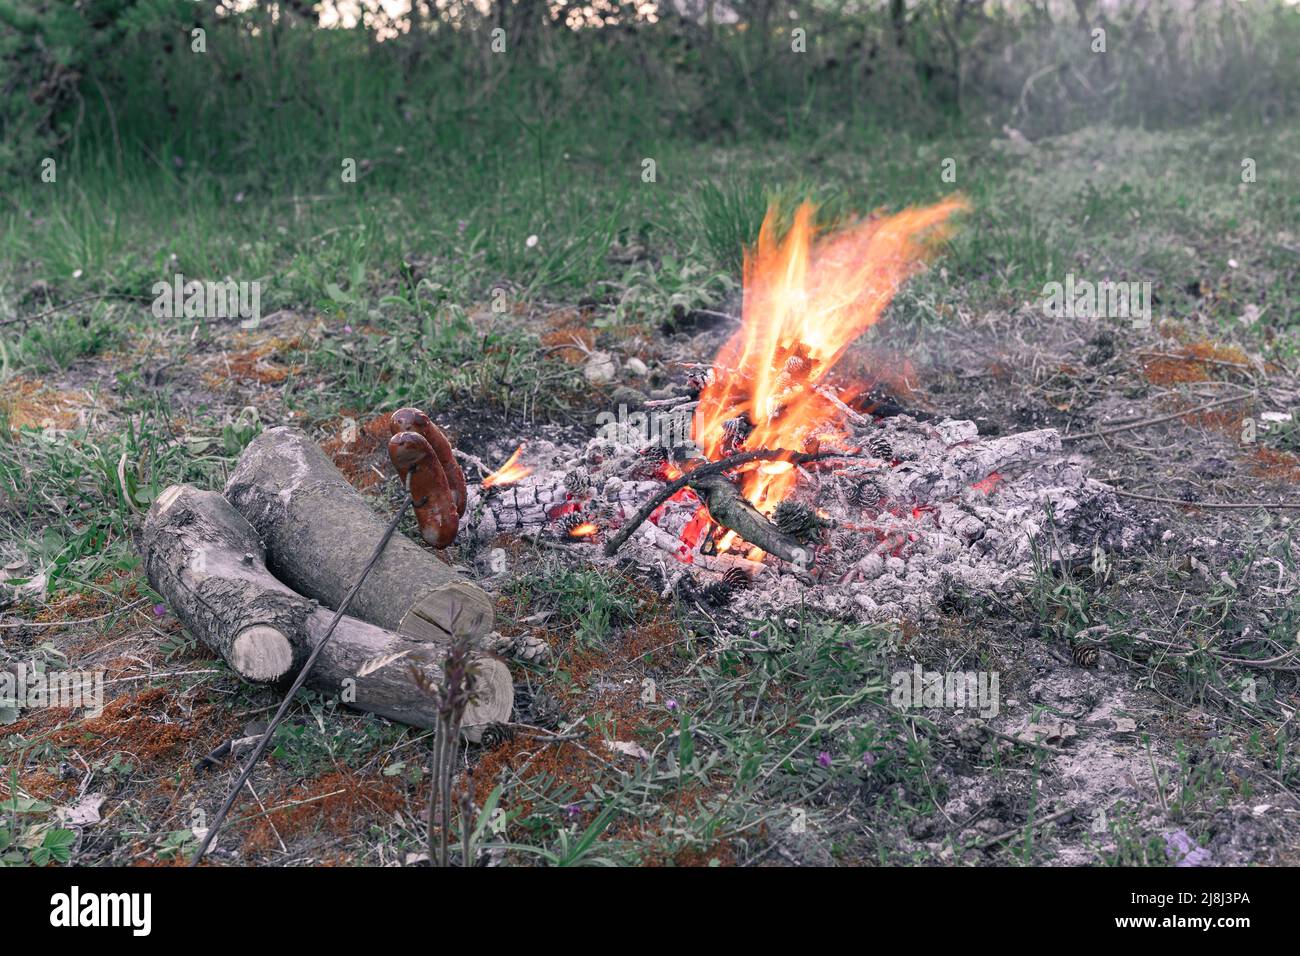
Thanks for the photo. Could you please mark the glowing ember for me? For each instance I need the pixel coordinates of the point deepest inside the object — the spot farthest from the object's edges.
(700, 522)
(584, 530)
(987, 485)
(510, 472)
(806, 299)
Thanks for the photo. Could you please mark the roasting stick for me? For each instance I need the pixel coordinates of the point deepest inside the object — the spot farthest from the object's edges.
(297, 684)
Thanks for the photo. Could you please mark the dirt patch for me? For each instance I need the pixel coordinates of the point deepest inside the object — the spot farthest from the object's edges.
(335, 803)
(31, 403)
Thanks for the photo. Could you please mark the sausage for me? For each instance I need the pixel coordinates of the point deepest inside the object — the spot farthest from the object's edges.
(421, 473)
(414, 420)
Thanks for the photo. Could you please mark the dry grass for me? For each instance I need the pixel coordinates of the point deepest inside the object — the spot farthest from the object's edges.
(1201, 361)
(358, 459)
(262, 364)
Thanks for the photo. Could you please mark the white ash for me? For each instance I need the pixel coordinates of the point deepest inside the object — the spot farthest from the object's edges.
(958, 512)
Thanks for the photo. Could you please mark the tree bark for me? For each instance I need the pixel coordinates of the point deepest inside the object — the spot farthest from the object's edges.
(728, 507)
(319, 532)
(208, 563)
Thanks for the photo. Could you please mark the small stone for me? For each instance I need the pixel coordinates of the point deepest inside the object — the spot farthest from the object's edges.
(600, 369)
(636, 367)
(630, 397)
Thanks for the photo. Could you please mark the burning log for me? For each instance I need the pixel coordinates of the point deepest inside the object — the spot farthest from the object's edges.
(728, 507)
(207, 562)
(319, 533)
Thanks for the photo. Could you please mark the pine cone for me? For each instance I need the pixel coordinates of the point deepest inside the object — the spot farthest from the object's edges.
(494, 735)
(571, 521)
(577, 481)
(796, 519)
(528, 647)
(736, 579)
(717, 594)
(866, 495)
(1085, 655)
(545, 710)
(698, 379)
(797, 366)
(737, 429)
(880, 447)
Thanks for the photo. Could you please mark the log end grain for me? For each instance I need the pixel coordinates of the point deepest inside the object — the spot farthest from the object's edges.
(451, 610)
(261, 653)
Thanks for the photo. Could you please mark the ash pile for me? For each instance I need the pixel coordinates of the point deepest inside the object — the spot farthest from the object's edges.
(902, 516)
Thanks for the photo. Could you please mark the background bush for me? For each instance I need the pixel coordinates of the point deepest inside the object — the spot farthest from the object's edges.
(115, 83)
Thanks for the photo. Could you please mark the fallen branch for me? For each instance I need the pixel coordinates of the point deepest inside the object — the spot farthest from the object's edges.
(1033, 824)
(1218, 505)
(67, 305)
(728, 507)
(1101, 433)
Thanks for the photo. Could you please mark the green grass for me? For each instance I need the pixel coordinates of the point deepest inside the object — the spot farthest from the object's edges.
(399, 270)
(590, 603)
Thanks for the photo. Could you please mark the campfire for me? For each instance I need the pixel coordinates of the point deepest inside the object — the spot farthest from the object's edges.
(839, 501)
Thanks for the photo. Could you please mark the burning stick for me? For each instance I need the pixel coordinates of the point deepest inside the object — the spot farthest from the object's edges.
(757, 524)
(729, 508)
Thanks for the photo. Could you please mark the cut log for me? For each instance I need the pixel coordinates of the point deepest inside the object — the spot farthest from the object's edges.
(207, 562)
(319, 532)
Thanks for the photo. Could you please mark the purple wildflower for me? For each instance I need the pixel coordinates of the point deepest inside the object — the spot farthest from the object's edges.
(1183, 851)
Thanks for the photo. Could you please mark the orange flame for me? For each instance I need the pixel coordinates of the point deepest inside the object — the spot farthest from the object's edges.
(510, 472)
(584, 530)
(806, 299)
